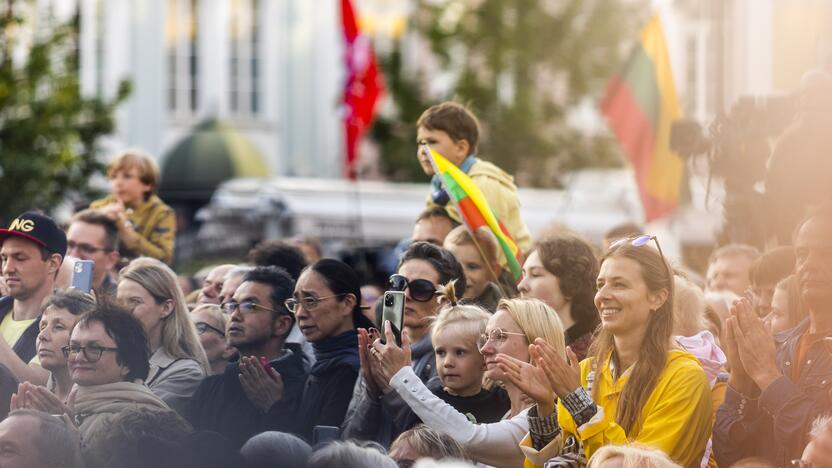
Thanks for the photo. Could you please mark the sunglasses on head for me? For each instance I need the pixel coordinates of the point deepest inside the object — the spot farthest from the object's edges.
(638, 241)
(421, 290)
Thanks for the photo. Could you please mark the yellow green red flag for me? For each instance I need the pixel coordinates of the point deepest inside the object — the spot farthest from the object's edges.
(640, 104)
(474, 209)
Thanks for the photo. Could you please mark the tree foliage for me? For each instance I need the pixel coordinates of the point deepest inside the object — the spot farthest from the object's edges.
(48, 130)
(520, 65)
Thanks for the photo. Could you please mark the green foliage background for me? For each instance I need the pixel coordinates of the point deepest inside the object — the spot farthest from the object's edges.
(551, 53)
(48, 130)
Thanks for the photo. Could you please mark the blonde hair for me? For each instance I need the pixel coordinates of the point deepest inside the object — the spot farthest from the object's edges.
(215, 312)
(146, 165)
(688, 308)
(179, 336)
(537, 320)
(634, 456)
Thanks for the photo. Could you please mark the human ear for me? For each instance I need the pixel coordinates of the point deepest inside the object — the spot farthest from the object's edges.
(281, 325)
(55, 261)
(462, 146)
(658, 298)
(167, 308)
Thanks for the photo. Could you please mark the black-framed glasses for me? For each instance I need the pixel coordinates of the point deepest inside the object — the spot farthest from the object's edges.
(246, 307)
(638, 241)
(92, 352)
(496, 335)
(421, 290)
(202, 327)
(84, 248)
(308, 302)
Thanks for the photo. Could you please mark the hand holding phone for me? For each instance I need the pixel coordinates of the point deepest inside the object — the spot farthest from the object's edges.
(393, 310)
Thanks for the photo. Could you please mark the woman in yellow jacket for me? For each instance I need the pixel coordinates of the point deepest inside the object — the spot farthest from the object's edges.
(638, 386)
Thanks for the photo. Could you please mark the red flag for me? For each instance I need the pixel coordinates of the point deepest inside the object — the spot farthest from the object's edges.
(363, 86)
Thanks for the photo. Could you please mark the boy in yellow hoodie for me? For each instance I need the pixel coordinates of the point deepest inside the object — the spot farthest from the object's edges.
(453, 131)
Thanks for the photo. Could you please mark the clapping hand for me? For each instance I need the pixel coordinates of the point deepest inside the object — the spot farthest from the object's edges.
(39, 398)
(754, 345)
(263, 386)
(531, 380)
(370, 371)
(564, 376)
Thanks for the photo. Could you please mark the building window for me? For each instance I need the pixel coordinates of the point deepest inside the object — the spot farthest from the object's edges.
(182, 56)
(244, 58)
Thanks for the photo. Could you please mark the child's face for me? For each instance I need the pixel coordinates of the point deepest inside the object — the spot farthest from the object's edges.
(476, 272)
(459, 364)
(127, 187)
(442, 143)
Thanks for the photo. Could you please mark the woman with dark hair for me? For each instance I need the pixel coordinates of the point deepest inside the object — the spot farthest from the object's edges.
(638, 386)
(108, 360)
(327, 305)
(422, 268)
(561, 271)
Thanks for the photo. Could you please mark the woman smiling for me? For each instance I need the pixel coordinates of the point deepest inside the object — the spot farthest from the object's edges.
(638, 386)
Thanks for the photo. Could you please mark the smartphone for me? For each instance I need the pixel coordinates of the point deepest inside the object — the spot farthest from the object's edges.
(393, 310)
(324, 434)
(82, 275)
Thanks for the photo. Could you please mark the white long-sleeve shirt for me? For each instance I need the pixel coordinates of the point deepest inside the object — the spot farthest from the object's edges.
(495, 444)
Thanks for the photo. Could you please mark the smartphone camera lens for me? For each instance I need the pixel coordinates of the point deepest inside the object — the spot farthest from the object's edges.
(388, 301)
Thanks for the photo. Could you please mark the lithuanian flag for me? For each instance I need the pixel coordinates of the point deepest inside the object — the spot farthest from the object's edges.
(640, 105)
(474, 209)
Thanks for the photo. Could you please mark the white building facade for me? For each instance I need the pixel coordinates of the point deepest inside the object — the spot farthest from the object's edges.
(272, 69)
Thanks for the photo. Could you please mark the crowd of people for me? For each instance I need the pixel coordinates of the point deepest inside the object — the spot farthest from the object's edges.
(600, 355)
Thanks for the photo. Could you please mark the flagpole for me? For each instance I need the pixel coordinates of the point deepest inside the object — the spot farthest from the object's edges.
(495, 279)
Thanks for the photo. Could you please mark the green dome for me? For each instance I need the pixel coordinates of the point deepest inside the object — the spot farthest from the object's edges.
(210, 155)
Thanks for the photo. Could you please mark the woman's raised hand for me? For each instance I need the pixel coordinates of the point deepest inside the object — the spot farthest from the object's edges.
(390, 357)
(531, 380)
(564, 377)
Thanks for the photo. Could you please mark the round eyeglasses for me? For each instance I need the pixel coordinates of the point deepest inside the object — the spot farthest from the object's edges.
(308, 302)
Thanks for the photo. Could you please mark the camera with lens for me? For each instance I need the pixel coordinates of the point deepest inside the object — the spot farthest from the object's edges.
(781, 140)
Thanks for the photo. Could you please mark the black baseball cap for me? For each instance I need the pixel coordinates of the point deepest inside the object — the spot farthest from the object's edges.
(38, 228)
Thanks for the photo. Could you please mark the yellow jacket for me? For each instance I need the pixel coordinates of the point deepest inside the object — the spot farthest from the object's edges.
(499, 190)
(155, 224)
(676, 418)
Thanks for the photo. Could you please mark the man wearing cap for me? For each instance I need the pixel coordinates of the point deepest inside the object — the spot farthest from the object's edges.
(32, 251)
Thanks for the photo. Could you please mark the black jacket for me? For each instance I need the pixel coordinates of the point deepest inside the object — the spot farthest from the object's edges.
(325, 399)
(220, 404)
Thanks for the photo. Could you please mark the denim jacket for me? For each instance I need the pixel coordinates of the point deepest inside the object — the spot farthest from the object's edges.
(776, 425)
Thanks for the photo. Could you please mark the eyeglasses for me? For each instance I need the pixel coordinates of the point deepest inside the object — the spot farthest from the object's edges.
(92, 353)
(85, 248)
(496, 335)
(308, 302)
(421, 290)
(246, 307)
(202, 327)
(638, 241)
